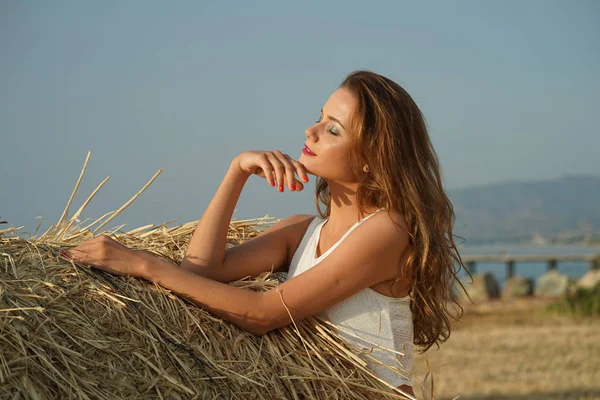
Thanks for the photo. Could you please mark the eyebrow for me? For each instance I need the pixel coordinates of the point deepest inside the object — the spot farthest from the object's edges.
(334, 119)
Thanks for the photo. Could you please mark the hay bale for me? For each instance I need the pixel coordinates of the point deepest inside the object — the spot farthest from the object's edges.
(73, 331)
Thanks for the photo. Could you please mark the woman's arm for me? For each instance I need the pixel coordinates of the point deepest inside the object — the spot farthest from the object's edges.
(238, 306)
(207, 248)
(369, 255)
(208, 243)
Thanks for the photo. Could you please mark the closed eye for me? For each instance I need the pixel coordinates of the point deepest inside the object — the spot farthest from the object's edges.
(331, 128)
(334, 119)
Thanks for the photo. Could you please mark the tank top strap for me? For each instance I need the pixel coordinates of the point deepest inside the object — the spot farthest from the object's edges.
(317, 236)
(353, 227)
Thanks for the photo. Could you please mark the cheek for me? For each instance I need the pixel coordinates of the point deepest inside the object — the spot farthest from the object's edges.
(338, 158)
(334, 156)
(339, 150)
(342, 153)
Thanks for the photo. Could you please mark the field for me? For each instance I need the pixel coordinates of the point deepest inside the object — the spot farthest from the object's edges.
(515, 350)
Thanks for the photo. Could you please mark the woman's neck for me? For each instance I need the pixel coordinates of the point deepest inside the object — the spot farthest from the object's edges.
(343, 209)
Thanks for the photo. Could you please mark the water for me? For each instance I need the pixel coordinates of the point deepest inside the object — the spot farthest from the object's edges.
(573, 269)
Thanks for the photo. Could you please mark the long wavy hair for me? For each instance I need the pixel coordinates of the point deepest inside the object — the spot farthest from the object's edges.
(390, 135)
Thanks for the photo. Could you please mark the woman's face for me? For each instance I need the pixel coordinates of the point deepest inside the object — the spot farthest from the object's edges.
(329, 139)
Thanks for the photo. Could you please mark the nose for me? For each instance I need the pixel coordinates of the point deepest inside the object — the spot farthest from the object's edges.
(311, 133)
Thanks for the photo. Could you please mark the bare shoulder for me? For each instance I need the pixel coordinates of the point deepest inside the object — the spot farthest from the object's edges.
(394, 220)
(390, 227)
(388, 222)
(397, 227)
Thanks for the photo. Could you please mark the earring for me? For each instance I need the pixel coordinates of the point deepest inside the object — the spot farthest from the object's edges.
(366, 168)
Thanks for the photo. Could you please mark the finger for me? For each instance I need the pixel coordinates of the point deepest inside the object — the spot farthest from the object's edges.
(76, 255)
(80, 252)
(299, 185)
(87, 252)
(299, 168)
(93, 259)
(267, 168)
(65, 254)
(290, 176)
(279, 170)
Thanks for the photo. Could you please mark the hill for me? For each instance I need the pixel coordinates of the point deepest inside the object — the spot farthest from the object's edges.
(561, 210)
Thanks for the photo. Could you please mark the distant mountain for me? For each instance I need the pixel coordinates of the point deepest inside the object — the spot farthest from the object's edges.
(565, 209)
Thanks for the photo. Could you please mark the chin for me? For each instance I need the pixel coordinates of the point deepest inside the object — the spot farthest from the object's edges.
(309, 170)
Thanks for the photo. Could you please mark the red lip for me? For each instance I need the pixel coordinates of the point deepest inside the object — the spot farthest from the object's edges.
(309, 150)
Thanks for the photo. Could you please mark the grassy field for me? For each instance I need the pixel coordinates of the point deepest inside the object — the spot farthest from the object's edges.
(515, 350)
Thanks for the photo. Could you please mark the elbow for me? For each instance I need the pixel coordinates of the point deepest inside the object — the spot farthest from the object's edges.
(264, 326)
(271, 327)
(259, 329)
(263, 322)
(269, 324)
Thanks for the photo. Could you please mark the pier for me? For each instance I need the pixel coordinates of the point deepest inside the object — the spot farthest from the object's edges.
(470, 261)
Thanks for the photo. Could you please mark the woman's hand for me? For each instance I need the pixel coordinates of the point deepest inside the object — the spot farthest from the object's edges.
(109, 255)
(273, 166)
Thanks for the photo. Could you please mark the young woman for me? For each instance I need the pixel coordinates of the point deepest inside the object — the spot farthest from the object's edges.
(380, 261)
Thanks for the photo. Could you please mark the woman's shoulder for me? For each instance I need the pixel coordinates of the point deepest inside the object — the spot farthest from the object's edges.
(391, 218)
(390, 224)
(395, 227)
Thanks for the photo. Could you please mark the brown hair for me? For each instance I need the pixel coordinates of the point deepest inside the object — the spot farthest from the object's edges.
(390, 136)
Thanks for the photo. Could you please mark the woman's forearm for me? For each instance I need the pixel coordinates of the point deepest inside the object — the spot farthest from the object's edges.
(207, 246)
(238, 306)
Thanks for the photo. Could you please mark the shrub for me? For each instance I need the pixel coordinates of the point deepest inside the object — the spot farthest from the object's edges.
(580, 302)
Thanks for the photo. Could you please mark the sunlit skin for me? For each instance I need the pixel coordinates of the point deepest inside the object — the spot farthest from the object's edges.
(367, 258)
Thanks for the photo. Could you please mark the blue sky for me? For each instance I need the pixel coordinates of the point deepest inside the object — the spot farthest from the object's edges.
(510, 91)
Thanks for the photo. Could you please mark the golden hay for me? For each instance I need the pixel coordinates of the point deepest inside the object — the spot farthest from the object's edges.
(71, 331)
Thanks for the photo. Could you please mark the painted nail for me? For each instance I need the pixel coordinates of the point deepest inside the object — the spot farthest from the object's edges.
(305, 179)
(65, 255)
(293, 186)
(272, 182)
(281, 188)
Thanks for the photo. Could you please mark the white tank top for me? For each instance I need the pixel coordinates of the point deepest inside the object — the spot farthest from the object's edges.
(369, 320)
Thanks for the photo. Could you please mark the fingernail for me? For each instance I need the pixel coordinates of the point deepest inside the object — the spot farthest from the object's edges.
(272, 182)
(305, 179)
(281, 188)
(65, 255)
(293, 186)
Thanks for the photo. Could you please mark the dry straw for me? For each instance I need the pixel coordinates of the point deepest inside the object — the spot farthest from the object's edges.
(68, 331)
